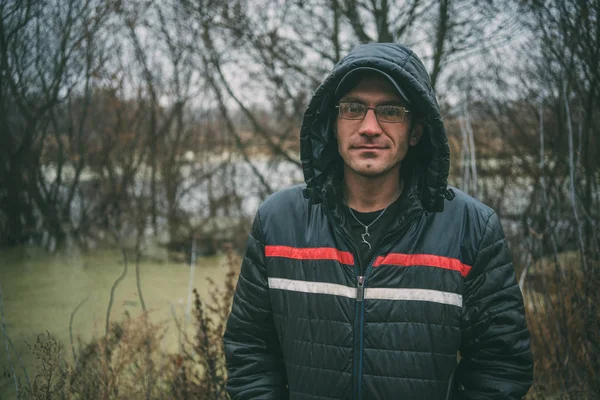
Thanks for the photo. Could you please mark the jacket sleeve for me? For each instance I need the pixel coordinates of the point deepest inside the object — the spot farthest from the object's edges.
(496, 360)
(254, 360)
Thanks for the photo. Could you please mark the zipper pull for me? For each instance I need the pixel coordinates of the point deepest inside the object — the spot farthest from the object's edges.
(360, 288)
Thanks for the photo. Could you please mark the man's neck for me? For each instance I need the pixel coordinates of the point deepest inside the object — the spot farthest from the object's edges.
(367, 194)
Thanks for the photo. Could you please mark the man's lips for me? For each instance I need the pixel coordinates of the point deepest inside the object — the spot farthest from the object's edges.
(368, 147)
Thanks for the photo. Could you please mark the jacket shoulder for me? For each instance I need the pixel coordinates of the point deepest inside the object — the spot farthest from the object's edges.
(282, 216)
(283, 199)
(465, 206)
(465, 220)
(283, 206)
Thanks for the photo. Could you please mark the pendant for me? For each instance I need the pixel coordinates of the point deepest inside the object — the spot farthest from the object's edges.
(364, 235)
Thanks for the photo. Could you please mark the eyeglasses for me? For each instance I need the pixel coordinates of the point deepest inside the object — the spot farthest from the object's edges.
(383, 113)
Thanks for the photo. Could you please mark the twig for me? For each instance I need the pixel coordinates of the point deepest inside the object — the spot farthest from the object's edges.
(545, 192)
(559, 271)
(468, 156)
(572, 178)
(464, 156)
(81, 303)
(188, 310)
(138, 281)
(115, 284)
(179, 334)
(528, 262)
(10, 365)
(472, 152)
(20, 362)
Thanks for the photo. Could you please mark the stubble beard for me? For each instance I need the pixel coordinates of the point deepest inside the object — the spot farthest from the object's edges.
(372, 174)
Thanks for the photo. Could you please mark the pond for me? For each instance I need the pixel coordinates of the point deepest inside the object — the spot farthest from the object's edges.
(40, 291)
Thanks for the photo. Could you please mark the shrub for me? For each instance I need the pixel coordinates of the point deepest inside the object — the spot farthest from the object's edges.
(129, 363)
(52, 374)
(564, 322)
(200, 370)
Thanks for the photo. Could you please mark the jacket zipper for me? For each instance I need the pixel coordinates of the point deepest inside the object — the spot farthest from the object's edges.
(360, 280)
(360, 296)
(361, 287)
(361, 284)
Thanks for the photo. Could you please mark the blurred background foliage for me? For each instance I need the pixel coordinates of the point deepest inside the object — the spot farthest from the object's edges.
(135, 135)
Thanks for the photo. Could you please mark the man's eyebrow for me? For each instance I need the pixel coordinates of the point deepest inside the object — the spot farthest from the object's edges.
(352, 99)
(392, 103)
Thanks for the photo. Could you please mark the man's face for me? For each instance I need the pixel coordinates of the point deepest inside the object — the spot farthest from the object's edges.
(368, 147)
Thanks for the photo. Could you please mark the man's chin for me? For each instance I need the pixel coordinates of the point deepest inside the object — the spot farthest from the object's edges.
(371, 171)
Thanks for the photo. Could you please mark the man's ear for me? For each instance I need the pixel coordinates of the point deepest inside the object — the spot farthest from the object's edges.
(416, 134)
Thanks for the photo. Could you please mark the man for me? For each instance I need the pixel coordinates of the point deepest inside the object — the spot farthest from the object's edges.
(370, 280)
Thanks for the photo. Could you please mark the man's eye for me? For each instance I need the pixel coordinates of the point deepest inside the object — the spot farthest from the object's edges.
(389, 111)
(354, 108)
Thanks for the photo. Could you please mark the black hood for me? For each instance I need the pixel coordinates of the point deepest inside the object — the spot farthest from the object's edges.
(427, 163)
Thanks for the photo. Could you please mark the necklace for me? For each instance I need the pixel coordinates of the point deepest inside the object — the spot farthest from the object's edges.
(364, 235)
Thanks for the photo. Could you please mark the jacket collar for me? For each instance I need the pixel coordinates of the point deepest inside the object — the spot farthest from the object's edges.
(332, 198)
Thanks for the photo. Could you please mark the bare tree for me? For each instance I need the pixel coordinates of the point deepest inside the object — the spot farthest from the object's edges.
(49, 58)
(537, 112)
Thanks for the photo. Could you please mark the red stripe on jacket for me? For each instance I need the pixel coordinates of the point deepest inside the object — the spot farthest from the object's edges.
(429, 260)
(314, 253)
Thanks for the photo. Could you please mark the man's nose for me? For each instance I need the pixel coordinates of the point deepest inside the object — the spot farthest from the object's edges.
(369, 125)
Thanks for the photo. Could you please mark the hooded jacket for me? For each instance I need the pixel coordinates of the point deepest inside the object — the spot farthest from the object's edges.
(437, 314)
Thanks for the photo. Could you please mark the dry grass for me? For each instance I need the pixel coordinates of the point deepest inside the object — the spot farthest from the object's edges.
(564, 321)
(130, 363)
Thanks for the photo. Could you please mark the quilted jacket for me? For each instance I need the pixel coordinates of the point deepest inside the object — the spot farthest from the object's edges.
(436, 315)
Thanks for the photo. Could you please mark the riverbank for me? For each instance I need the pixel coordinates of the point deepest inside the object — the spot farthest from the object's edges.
(40, 291)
